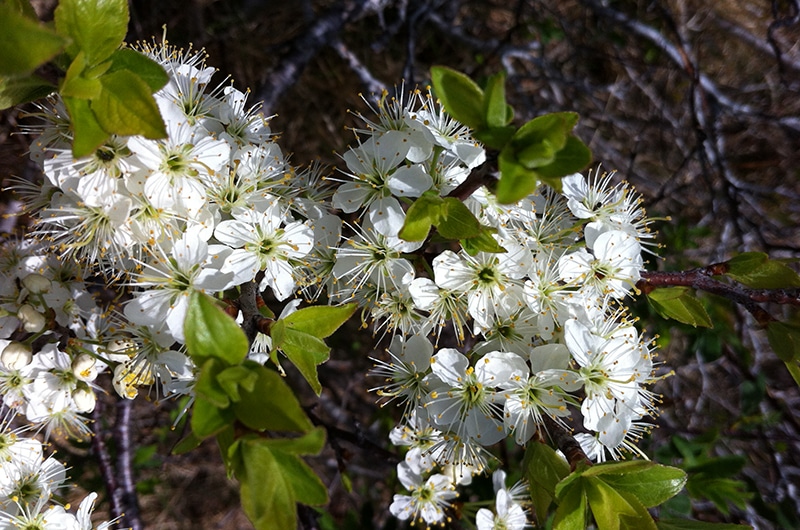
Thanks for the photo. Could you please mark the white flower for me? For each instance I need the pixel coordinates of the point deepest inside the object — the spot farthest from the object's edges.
(169, 282)
(427, 500)
(509, 515)
(612, 271)
(610, 368)
(262, 242)
(404, 374)
(542, 393)
(380, 174)
(490, 282)
(467, 402)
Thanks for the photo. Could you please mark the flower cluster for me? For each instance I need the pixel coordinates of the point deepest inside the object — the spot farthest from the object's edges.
(484, 345)
(28, 482)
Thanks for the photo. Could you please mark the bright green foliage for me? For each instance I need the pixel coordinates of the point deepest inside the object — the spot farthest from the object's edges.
(107, 90)
(244, 404)
(459, 94)
(273, 477)
(616, 493)
(96, 27)
(755, 269)
(541, 151)
(24, 43)
(453, 220)
(679, 303)
(212, 333)
(299, 336)
(543, 470)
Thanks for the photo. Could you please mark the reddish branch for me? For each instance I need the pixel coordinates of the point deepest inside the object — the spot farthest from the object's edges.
(703, 279)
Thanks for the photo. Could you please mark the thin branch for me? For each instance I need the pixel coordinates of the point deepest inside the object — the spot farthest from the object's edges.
(107, 470)
(122, 433)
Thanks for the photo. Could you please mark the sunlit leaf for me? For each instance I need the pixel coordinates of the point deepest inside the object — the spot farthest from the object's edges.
(210, 332)
(679, 303)
(459, 94)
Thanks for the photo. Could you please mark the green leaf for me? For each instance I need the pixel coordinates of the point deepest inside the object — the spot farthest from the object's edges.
(422, 213)
(125, 106)
(612, 510)
(573, 157)
(321, 320)
(495, 137)
(551, 128)
(308, 444)
(208, 385)
(210, 332)
(456, 221)
(87, 133)
(459, 94)
(24, 43)
(756, 270)
(571, 511)
(189, 443)
(208, 419)
(651, 483)
(686, 524)
(271, 405)
(784, 339)
(143, 66)
(78, 85)
(306, 352)
(97, 27)
(679, 303)
(17, 90)
(266, 492)
(496, 110)
(235, 377)
(516, 181)
(483, 242)
(543, 469)
(23, 7)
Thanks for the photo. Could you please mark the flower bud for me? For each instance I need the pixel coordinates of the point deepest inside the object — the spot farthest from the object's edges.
(16, 356)
(36, 283)
(84, 367)
(120, 350)
(32, 320)
(125, 381)
(84, 399)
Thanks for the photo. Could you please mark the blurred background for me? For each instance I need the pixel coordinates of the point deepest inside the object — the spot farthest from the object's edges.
(694, 102)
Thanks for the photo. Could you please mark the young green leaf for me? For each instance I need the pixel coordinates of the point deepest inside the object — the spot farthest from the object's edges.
(496, 110)
(125, 106)
(552, 128)
(143, 66)
(570, 159)
(310, 443)
(756, 270)
(87, 133)
(320, 320)
(613, 510)
(543, 469)
(306, 352)
(210, 332)
(652, 484)
(233, 378)
(271, 405)
(456, 221)
(516, 181)
(208, 419)
(571, 511)
(18, 90)
(266, 492)
(208, 385)
(24, 43)
(97, 27)
(422, 213)
(679, 303)
(459, 94)
(483, 242)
